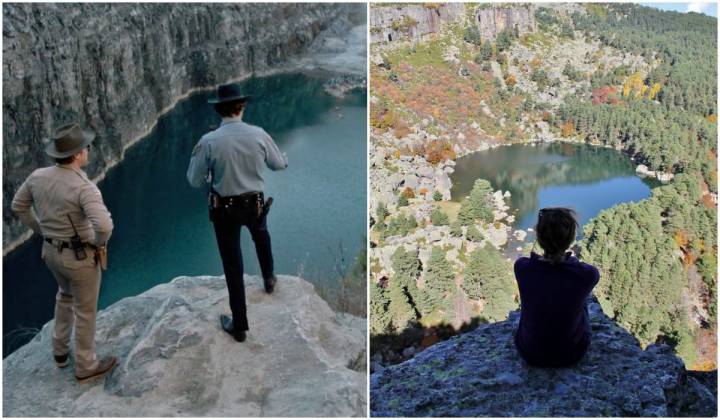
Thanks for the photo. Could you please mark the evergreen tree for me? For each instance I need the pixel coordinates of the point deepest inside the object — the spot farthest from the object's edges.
(439, 278)
(487, 277)
(478, 205)
(438, 218)
(380, 321)
(399, 308)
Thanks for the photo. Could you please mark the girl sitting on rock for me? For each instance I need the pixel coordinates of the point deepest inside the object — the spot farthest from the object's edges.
(554, 327)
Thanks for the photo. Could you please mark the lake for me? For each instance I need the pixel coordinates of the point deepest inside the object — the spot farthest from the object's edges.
(317, 221)
(585, 178)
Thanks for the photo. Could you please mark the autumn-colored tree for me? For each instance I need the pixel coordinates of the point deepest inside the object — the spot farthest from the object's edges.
(510, 80)
(408, 193)
(604, 95)
(567, 129)
(634, 83)
(654, 90)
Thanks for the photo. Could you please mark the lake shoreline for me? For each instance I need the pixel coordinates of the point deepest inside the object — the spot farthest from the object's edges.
(297, 68)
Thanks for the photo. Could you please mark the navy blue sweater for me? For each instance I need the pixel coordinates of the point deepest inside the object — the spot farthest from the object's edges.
(554, 328)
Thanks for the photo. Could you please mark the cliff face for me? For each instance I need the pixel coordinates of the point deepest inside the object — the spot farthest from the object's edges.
(116, 68)
(480, 374)
(492, 21)
(300, 358)
(395, 23)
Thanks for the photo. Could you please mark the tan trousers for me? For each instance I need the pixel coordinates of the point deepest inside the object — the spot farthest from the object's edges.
(76, 303)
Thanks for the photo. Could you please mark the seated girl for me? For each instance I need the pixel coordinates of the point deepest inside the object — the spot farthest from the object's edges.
(554, 327)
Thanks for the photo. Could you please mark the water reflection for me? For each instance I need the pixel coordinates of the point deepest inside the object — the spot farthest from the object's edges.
(586, 178)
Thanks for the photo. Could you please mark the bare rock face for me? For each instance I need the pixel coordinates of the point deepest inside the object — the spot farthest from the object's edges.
(480, 374)
(395, 22)
(492, 21)
(116, 67)
(300, 358)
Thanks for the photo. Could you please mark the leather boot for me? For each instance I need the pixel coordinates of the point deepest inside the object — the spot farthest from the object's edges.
(228, 326)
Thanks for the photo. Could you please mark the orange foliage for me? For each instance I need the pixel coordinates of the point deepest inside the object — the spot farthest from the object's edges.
(408, 193)
(423, 191)
(438, 151)
(510, 80)
(546, 116)
(568, 129)
(401, 129)
(712, 118)
(681, 238)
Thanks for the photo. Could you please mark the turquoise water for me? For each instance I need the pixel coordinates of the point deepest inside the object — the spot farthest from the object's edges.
(317, 222)
(586, 178)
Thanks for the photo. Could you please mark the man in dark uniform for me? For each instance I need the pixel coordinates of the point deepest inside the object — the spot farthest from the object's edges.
(233, 157)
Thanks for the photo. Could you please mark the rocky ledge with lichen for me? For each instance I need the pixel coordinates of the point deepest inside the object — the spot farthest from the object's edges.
(480, 374)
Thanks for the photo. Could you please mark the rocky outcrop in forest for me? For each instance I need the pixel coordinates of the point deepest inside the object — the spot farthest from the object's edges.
(480, 374)
(117, 67)
(300, 358)
(413, 21)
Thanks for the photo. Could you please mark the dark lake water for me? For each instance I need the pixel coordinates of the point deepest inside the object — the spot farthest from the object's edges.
(317, 222)
(586, 178)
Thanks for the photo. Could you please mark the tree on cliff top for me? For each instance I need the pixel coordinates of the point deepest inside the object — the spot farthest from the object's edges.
(439, 278)
(478, 205)
(487, 277)
(379, 316)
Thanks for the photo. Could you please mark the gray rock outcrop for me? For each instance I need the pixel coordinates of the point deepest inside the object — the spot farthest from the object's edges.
(493, 20)
(394, 22)
(300, 358)
(480, 374)
(117, 67)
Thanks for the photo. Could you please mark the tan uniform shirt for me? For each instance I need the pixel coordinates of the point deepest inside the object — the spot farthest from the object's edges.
(49, 195)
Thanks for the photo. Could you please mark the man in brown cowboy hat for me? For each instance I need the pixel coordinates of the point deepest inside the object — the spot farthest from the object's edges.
(66, 208)
(233, 156)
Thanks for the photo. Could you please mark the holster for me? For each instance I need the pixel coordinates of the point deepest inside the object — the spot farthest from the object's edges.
(101, 256)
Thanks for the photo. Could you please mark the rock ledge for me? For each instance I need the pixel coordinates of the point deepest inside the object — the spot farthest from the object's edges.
(480, 374)
(300, 358)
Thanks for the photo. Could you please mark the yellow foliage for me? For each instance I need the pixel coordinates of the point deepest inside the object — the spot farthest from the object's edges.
(654, 90)
(396, 153)
(634, 83)
(712, 118)
(510, 80)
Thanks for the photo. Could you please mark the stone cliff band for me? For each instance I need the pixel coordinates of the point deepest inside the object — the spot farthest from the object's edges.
(230, 160)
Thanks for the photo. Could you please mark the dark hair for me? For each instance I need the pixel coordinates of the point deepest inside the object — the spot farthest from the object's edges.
(66, 160)
(555, 231)
(228, 109)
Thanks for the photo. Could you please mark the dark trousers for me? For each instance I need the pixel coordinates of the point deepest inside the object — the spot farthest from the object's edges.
(227, 232)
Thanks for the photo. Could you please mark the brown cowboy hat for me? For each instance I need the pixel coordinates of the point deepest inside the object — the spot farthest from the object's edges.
(68, 140)
(229, 93)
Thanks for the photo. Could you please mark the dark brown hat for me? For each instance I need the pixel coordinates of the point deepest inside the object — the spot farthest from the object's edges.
(68, 140)
(228, 93)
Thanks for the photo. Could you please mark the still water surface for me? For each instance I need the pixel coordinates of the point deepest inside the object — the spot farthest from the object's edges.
(586, 178)
(317, 221)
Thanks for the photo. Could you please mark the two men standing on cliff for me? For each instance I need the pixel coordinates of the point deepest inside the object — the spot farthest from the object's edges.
(230, 159)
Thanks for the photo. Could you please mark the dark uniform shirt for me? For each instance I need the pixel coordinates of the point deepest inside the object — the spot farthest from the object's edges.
(554, 328)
